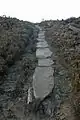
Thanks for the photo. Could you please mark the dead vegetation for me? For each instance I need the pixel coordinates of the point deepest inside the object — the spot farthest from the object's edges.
(15, 35)
(65, 35)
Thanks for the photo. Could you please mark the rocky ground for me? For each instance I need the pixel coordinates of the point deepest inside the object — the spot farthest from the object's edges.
(17, 64)
(64, 38)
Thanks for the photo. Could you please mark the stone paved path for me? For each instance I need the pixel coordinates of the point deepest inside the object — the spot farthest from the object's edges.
(43, 80)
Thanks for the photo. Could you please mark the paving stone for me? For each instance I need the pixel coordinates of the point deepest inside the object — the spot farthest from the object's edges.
(45, 62)
(43, 81)
(42, 44)
(41, 35)
(43, 53)
(40, 39)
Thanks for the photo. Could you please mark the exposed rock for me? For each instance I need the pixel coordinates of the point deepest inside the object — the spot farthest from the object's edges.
(43, 81)
(42, 44)
(45, 62)
(43, 53)
(74, 28)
